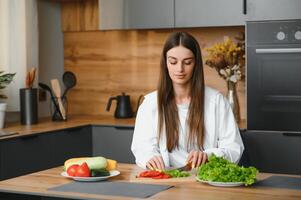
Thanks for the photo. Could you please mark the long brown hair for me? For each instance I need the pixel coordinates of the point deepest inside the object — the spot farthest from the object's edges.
(168, 117)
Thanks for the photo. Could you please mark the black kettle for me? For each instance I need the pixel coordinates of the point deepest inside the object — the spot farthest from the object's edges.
(123, 108)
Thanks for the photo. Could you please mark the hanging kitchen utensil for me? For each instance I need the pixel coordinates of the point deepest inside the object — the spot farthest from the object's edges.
(69, 80)
(57, 92)
(57, 113)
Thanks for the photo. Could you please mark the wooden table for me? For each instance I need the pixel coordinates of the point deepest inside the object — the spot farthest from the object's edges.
(185, 188)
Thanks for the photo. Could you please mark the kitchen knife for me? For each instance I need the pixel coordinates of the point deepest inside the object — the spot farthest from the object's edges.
(186, 167)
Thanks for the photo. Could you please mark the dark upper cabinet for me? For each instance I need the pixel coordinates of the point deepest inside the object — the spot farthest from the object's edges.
(113, 142)
(71, 143)
(136, 14)
(202, 13)
(272, 152)
(25, 155)
(147, 14)
(273, 9)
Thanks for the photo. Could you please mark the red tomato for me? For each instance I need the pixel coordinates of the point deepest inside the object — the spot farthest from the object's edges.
(72, 170)
(83, 170)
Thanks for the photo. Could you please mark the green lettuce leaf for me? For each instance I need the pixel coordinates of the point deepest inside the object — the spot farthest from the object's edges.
(218, 169)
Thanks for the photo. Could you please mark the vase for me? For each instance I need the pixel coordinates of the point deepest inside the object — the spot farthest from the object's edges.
(233, 100)
(29, 106)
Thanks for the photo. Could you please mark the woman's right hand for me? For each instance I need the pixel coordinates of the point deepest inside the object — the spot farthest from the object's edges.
(155, 163)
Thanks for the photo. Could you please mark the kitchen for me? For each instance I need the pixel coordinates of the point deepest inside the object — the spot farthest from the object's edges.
(110, 57)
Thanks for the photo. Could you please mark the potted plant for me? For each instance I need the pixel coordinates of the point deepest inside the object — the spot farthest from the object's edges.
(5, 79)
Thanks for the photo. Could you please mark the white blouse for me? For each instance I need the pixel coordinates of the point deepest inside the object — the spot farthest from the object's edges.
(222, 135)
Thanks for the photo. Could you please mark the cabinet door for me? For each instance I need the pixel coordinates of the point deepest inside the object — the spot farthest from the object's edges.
(25, 155)
(150, 14)
(113, 142)
(273, 152)
(136, 14)
(273, 9)
(70, 143)
(198, 13)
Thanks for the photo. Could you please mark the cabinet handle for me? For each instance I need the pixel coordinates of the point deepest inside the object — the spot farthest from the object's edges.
(124, 127)
(278, 50)
(244, 7)
(292, 134)
(78, 128)
(27, 137)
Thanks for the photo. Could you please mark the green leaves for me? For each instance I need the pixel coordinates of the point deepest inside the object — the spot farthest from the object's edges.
(5, 79)
(175, 173)
(219, 169)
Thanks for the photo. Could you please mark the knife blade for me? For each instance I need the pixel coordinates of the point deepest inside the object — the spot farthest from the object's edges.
(186, 167)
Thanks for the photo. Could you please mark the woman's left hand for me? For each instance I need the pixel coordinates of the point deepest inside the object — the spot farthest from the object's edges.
(196, 158)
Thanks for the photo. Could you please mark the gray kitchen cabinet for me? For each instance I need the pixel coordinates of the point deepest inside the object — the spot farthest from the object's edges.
(202, 13)
(70, 143)
(24, 155)
(273, 9)
(136, 14)
(272, 152)
(113, 142)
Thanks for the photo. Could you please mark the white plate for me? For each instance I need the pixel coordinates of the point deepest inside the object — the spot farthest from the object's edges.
(90, 179)
(221, 184)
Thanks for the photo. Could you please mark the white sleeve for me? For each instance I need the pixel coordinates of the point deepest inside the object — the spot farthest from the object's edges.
(230, 144)
(145, 143)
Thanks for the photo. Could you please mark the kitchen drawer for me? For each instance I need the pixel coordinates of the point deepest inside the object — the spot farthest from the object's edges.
(24, 155)
(113, 142)
(70, 143)
(273, 152)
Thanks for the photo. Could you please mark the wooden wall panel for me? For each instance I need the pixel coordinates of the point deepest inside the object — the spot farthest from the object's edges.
(107, 63)
(79, 15)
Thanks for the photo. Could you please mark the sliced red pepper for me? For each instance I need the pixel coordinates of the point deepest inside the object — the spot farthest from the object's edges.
(166, 176)
(149, 174)
(158, 177)
(154, 175)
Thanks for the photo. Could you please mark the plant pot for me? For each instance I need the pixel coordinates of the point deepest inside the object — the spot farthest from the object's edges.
(2, 114)
(29, 105)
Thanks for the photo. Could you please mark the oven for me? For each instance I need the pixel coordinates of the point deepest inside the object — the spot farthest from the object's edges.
(274, 75)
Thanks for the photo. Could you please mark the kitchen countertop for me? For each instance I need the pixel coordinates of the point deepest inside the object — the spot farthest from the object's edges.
(184, 188)
(47, 125)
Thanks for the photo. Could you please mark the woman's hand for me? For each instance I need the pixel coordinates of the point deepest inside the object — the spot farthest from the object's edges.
(155, 162)
(196, 158)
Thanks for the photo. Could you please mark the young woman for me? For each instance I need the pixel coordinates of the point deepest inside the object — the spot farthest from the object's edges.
(184, 121)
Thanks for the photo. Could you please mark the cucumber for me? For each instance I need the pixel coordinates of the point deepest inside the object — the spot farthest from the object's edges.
(99, 172)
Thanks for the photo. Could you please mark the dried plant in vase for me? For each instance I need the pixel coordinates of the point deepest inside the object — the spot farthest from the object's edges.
(29, 100)
(228, 59)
